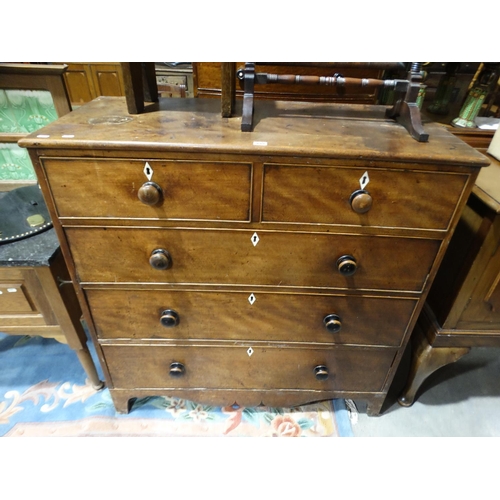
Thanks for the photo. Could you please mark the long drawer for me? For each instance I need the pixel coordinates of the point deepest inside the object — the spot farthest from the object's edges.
(228, 257)
(321, 195)
(292, 318)
(191, 190)
(247, 367)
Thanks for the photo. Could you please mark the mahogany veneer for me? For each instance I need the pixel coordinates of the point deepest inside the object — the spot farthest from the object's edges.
(229, 267)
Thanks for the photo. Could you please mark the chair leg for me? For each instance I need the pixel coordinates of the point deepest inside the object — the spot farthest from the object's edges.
(228, 91)
(140, 85)
(149, 82)
(134, 90)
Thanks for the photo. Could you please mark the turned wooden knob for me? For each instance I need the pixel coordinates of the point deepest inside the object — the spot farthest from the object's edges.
(361, 201)
(332, 323)
(160, 259)
(177, 369)
(169, 318)
(347, 265)
(150, 193)
(321, 372)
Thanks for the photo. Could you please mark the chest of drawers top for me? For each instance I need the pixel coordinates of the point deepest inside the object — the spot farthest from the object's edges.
(350, 132)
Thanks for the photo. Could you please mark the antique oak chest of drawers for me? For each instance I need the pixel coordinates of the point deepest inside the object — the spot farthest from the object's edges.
(277, 267)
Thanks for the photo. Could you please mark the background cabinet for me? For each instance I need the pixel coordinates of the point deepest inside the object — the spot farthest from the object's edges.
(463, 306)
(86, 81)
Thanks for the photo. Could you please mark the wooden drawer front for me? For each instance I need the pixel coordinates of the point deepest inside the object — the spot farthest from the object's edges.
(266, 317)
(231, 367)
(229, 257)
(17, 307)
(14, 299)
(191, 190)
(405, 199)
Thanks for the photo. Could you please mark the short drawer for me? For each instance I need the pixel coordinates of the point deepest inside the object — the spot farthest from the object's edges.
(321, 195)
(14, 299)
(23, 304)
(189, 190)
(247, 367)
(174, 315)
(244, 257)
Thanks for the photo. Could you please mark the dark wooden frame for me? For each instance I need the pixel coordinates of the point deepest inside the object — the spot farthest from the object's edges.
(139, 80)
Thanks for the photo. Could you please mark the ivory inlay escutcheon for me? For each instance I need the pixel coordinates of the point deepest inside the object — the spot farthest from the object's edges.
(365, 179)
(148, 171)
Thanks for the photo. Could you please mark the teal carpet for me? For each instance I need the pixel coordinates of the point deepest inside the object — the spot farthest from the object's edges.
(44, 392)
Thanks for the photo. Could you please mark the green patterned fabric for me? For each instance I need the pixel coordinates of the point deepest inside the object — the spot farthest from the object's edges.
(15, 163)
(24, 111)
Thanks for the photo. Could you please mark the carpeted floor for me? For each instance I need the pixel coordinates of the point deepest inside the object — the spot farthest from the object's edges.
(43, 392)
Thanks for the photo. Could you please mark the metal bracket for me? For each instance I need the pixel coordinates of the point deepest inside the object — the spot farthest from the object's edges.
(62, 282)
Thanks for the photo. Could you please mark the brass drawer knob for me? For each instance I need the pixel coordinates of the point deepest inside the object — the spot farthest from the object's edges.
(160, 259)
(177, 369)
(361, 201)
(169, 318)
(321, 372)
(347, 265)
(150, 193)
(332, 323)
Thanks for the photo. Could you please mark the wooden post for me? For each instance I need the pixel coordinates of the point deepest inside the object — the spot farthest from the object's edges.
(228, 88)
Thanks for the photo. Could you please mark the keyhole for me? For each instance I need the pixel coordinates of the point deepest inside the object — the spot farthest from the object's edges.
(365, 179)
(148, 171)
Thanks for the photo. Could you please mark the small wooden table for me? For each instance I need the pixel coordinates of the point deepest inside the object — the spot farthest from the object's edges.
(463, 306)
(36, 297)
